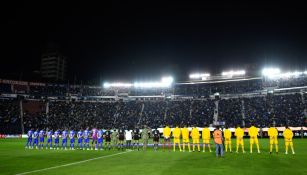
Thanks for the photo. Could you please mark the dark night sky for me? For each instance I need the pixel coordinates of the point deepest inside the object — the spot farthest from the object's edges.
(128, 41)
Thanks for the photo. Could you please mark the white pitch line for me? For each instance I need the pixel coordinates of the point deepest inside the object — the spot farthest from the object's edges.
(74, 163)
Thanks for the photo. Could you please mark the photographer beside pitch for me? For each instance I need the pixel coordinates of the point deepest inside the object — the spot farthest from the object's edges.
(218, 140)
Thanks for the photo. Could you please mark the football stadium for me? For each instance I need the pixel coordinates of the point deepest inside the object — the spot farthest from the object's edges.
(171, 88)
(161, 127)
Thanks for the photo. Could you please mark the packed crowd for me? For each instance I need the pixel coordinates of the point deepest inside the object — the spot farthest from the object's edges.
(202, 112)
(9, 116)
(288, 109)
(286, 82)
(262, 110)
(230, 111)
(257, 109)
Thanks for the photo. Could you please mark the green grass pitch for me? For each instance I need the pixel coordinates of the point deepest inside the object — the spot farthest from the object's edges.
(14, 159)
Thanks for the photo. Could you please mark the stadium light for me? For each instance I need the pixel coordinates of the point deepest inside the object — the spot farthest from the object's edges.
(164, 83)
(150, 85)
(109, 85)
(270, 72)
(167, 80)
(204, 78)
(290, 74)
(296, 73)
(106, 85)
(199, 76)
(275, 73)
(234, 73)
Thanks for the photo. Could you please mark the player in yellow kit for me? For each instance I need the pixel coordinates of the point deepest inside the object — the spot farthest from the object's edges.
(185, 138)
(227, 135)
(239, 133)
(195, 137)
(176, 135)
(253, 134)
(273, 134)
(206, 135)
(167, 135)
(288, 135)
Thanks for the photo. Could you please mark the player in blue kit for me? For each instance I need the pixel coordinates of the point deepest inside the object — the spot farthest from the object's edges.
(100, 139)
(41, 139)
(35, 136)
(72, 139)
(57, 139)
(49, 139)
(86, 136)
(64, 139)
(29, 140)
(80, 139)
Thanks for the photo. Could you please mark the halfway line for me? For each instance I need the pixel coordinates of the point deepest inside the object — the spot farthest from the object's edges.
(74, 163)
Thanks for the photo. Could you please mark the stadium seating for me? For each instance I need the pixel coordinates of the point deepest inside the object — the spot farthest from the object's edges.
(234, 106)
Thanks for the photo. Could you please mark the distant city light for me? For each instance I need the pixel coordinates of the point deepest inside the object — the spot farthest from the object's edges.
(233, 73)
(199, 76)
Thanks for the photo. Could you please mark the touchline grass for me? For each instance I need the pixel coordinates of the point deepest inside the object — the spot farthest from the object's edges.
(15, 159)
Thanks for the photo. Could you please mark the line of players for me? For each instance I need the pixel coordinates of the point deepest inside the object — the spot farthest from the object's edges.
(36, 139)
(118, 138)
(239, 134)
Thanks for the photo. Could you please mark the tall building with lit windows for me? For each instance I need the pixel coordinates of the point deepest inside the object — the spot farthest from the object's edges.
(53, 65)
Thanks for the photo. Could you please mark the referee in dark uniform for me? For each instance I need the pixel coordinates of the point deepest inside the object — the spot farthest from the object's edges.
(156, 137)
(136, 138)
(121, 138)
(108, 138)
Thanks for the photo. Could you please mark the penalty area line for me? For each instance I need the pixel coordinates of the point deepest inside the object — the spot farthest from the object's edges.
(74, 163)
